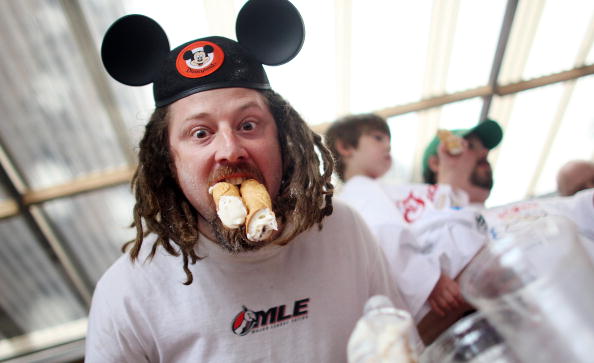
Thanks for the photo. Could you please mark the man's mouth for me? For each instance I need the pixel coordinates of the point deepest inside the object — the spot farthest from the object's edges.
(235, 179)
(235, 174)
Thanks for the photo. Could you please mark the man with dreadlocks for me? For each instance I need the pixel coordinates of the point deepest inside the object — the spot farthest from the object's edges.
(193, 290)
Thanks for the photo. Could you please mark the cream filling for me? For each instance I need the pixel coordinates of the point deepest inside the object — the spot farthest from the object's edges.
(231, 211)
(382, 337)
(262, 224)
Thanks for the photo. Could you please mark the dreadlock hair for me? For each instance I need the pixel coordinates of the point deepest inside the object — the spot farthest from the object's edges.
(348, 130)
(305, 195)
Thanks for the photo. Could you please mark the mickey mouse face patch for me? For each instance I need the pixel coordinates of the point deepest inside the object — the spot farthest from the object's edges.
(199, 59)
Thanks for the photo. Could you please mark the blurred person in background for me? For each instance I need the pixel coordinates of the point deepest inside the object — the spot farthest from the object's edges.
(574, 176)
(466, 169)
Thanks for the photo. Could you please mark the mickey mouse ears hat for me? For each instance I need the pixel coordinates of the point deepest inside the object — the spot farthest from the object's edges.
(135, 52)
(488, 131)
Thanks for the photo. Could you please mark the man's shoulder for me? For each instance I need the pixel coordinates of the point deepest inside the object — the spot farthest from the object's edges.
(342, 210)
(118, 274)
(127, 274)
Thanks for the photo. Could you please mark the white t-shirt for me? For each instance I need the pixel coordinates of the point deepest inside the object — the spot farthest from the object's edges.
(292, 303)
(422, 229)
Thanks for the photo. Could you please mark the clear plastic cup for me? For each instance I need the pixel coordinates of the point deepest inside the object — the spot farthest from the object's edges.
(536, 286)
(383, 334)
(471, 339)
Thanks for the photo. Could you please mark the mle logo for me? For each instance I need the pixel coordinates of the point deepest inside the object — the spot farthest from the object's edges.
(275, 317)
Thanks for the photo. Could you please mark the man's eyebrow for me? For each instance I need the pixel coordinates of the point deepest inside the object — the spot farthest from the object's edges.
(201, 115)
(197, 116)
(248, 105)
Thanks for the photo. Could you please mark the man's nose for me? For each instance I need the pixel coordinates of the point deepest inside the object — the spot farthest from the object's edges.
(229, 147)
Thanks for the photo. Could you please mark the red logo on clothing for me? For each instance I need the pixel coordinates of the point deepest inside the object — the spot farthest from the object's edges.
(243, 322)
(275, 317)
(411, 207)
(431, 191)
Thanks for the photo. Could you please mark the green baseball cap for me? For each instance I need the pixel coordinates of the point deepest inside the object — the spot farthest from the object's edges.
(488, 131)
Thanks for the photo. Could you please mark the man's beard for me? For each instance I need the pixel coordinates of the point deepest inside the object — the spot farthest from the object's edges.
(482, 180)
(233, 240)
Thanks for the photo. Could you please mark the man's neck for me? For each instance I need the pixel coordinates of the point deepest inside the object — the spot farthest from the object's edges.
(477, 195)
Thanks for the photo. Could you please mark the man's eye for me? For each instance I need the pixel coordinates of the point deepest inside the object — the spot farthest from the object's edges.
(200, 134)
(380, 137)
(248, 126)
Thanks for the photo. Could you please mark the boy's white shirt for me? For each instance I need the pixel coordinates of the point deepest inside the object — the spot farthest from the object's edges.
(422, 229)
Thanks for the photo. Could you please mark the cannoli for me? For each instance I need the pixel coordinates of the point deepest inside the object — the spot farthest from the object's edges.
(230, 207)
(452, 142)
(260, 221)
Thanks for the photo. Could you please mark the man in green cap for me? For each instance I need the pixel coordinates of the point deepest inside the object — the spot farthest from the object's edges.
(466, 169)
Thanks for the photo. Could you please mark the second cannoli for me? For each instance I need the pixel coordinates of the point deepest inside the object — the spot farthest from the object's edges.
(260, 221)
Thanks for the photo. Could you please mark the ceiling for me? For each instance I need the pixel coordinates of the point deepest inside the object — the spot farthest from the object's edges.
(68, 136)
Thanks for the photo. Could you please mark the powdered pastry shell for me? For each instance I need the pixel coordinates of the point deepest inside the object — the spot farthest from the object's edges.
(260, 221)
(452, 142)
(223, 188)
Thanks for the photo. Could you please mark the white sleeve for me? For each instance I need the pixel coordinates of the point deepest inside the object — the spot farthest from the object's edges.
(452, 236)
(414, 271)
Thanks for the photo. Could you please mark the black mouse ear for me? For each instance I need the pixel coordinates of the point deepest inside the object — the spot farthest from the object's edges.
(133, 49)
(272, 30)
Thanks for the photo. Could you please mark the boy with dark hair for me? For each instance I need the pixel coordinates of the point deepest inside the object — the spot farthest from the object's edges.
(347, 133)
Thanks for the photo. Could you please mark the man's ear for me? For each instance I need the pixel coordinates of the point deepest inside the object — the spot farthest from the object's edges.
(343, 149)
(434, 163)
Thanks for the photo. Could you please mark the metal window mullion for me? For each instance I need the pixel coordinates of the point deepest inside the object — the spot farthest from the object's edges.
(506, 26)
(82, 34)
(41, 227)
